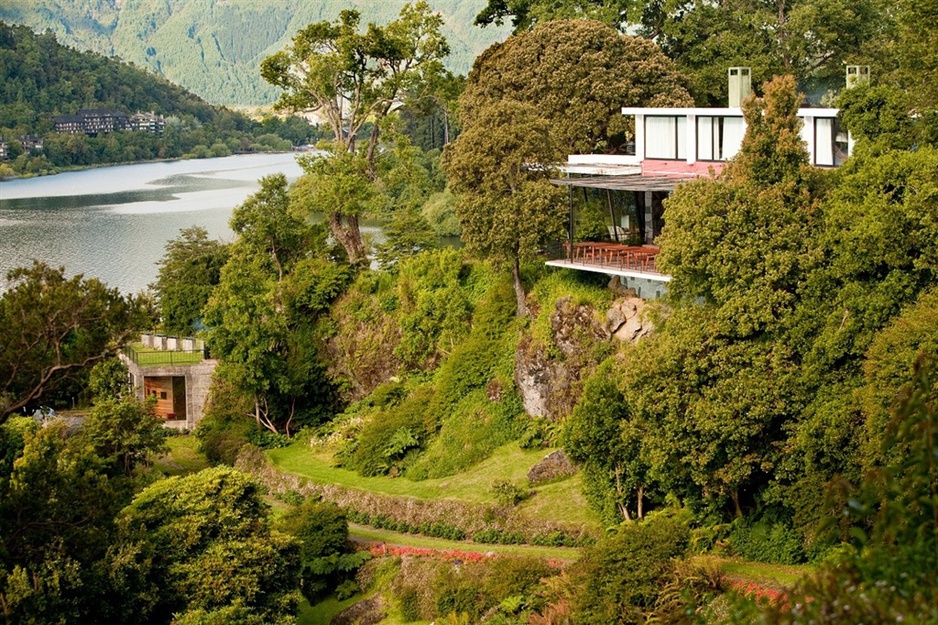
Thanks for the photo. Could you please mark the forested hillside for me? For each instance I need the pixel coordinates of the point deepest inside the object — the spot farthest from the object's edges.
(42, 79)
(214, 47)
(506, 443)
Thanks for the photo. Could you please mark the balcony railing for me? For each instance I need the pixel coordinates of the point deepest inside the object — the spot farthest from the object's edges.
(144, 357)
(618, 256)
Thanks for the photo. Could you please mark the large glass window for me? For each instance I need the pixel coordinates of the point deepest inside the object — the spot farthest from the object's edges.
(719, 138)
(830, 142)
(665, 137)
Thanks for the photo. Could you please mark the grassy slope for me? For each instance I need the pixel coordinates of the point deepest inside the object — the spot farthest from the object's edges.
(560, 501)
(182, 458)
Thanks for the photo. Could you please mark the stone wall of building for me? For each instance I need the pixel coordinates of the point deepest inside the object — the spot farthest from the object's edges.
(198, 383)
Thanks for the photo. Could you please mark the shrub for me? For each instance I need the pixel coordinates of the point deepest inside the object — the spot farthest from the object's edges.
(499, 537)
(389, 435)
(618, 580)
(474, 427)
(410, 606)
(507, 493)
(327, 561)
(265, 439)
(774, 543)
(225, 428)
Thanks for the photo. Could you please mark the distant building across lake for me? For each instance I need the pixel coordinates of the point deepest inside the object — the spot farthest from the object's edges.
(101, 121)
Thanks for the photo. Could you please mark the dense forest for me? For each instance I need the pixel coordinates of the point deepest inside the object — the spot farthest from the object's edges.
(594, 457)
(43, 79)
(214, 48)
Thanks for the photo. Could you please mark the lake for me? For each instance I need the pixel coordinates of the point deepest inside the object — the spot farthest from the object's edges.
(113, 222)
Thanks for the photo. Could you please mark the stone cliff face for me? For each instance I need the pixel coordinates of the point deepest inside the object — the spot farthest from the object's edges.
(549, 377)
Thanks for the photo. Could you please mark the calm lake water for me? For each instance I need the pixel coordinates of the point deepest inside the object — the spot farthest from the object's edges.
(112, 223)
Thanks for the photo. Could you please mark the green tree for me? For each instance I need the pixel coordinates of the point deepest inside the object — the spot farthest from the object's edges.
(109, 378)
(57, 505)
(578, 74)
(721, 379)
(606, 440)
(56, 328)
(892, 574)
(712, 407)
(500, 167)
(203, 543)
(124, 431)
(746, 240)
(352, 78)
(261, 316)
(326, 556)
(525, 14)
(187, 273)
(810, 39)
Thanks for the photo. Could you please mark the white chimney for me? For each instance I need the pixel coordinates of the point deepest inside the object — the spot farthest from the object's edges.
(857, 75)
(740, 83)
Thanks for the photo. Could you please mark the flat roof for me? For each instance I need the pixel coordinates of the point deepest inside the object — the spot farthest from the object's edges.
(625, 183)
(718, 112)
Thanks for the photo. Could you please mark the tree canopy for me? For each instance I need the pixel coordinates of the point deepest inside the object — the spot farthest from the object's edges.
(55, 329)
(578, 74)
(500, 165)
(810, 39)
(278, 278)
(189, 270)
(352, 79)
(202, 545)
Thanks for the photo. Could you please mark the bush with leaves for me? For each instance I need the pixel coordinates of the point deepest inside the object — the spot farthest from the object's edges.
(327, 559)
(203, 542)
(619, 579)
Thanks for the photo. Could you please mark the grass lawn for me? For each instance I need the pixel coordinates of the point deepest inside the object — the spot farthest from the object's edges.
(183, 456)
(147, 356)
(322, 612)
(362, 533)
(776, 576)
(560, 501)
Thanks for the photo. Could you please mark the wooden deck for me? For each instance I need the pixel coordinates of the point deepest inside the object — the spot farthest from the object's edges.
(637, 261)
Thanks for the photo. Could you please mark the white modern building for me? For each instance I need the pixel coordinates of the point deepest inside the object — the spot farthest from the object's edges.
(672, 145)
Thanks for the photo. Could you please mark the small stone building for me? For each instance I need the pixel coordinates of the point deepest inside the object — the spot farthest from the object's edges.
(175, 372)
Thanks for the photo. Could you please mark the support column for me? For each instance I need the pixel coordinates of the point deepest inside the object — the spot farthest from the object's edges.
(649, 219)
(690, 147)
(570, 229)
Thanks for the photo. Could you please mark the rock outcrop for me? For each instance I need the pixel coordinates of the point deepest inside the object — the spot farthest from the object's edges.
(554, 466)
(549, 376)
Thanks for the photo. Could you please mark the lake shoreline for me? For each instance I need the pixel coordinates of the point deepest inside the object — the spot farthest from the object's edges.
(77, 168)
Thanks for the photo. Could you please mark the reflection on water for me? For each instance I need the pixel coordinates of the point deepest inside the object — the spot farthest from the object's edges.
(113, 222)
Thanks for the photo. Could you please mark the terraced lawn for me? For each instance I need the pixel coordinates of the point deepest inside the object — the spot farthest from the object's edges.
(366, 534)
(183, 456)
(559, 501)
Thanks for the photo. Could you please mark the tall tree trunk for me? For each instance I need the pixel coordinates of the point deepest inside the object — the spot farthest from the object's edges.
(641, 506)
(519, 289)
(346, 231)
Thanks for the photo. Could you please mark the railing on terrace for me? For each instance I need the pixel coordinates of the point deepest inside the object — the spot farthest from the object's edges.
(641, 258)
(144, 357)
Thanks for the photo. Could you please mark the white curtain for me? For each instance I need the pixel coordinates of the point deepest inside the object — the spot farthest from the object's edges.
(824, 141)
(734, 128)
(705, 138)
(660, 137)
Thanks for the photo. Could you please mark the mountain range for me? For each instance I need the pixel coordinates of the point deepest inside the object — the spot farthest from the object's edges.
(214, 47)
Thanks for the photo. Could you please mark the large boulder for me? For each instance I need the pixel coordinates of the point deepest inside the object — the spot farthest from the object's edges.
(625, 320)
(554, 466)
